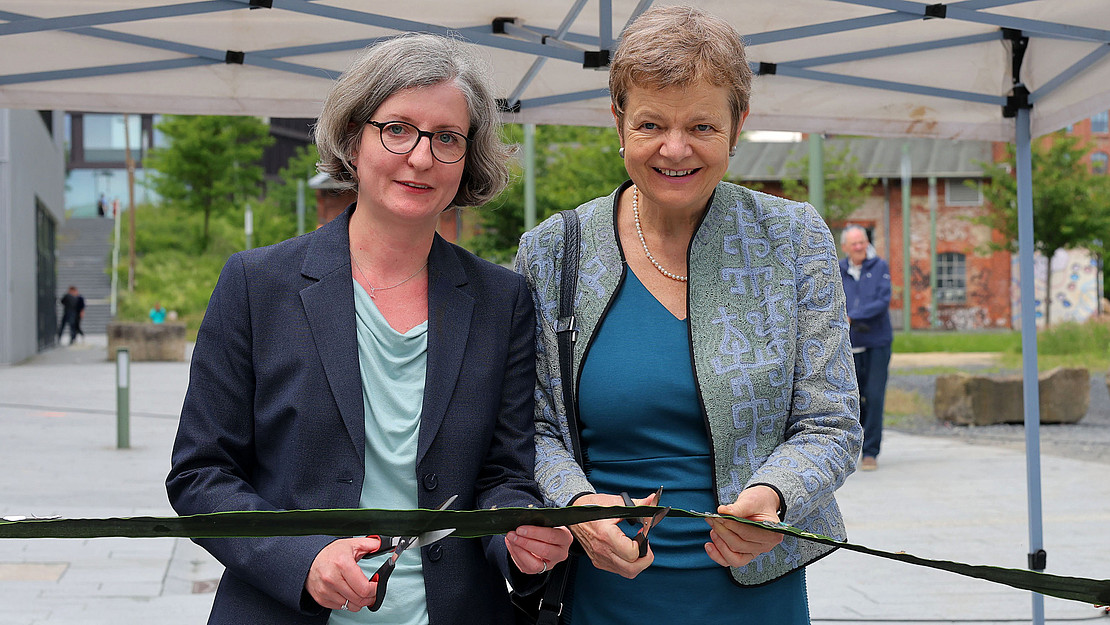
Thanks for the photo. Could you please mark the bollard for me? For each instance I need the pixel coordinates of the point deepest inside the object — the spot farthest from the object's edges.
(123, 398)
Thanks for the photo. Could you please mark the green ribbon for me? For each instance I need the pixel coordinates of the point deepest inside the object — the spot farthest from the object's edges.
(477, 523)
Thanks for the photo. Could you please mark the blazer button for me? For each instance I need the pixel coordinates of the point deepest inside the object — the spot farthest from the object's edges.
(431, 481)
(435, 552)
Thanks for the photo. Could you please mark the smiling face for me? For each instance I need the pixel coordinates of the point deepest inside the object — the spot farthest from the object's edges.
(855, 246)
(412, 186)
(676, 143)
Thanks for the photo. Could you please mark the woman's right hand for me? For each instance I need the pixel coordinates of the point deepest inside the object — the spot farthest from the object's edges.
(335, 579)
(606, 544)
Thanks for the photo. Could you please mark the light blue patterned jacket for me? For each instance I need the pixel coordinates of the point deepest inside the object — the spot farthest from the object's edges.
(769, 343)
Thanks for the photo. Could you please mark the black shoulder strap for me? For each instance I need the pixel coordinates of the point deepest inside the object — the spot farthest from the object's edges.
(566, 327)
(566, 330)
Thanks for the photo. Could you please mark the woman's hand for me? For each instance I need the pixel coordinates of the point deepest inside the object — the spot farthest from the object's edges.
(536, 549)
(335, 579)
(608, 547)
(736, 544)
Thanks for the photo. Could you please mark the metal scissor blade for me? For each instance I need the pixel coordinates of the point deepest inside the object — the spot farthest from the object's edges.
(428, 538)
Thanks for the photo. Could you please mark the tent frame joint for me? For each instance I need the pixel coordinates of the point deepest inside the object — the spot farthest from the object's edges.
(1038, 560)
(596, 59)
(936, 11)
(504, 106)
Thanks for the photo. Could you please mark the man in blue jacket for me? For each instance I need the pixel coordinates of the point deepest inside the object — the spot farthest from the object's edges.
(867, 292)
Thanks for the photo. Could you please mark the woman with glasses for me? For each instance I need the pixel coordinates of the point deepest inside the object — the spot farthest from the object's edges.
(372, 364)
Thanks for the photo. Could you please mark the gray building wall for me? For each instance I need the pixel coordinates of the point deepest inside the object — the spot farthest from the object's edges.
(32, 171)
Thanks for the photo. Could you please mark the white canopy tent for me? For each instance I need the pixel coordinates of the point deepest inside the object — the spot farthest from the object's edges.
(1005, 70)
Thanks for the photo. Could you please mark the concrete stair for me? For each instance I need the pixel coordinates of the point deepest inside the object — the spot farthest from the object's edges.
(84, 248)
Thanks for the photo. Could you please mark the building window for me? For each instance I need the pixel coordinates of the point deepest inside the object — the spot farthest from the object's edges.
(1098, 162)
(104, 137)
(951, 285)
(963, 192)
(1101, 122)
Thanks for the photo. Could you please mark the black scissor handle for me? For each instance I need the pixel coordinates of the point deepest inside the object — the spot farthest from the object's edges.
(641, 536)
(382, 578)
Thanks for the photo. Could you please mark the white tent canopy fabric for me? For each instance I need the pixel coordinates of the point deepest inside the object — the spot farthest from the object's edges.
(1005, 70)
(875, 67)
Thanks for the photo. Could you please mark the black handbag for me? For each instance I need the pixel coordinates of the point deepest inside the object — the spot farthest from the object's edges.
(544, 606)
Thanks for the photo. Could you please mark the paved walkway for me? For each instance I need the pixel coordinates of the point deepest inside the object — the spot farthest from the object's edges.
(936, 498)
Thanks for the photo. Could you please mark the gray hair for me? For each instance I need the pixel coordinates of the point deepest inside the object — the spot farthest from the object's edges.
(677, 46)
(406, 62)
(851, 227)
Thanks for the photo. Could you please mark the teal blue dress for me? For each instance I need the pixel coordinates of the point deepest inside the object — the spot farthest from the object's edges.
(642, 428)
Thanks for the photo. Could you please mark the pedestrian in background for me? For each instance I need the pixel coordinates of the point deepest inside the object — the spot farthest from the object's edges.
(867, 292)
(158, 313)
(73, 309)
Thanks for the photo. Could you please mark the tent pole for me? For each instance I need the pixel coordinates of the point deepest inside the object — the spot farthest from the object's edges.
(817, 172)
(1030, 379)
(907, 181)
(529, 176)
(934, 282)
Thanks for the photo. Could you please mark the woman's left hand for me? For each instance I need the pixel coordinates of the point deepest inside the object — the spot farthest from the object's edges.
(736, 544)
(536, 549)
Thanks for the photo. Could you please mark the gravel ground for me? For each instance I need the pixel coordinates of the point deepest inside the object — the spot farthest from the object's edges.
(1089, 439)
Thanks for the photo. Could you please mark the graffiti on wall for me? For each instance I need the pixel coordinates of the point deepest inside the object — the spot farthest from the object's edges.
(1076, 287)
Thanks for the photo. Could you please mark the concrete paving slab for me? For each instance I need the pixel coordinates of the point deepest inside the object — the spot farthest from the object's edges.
(934, 497)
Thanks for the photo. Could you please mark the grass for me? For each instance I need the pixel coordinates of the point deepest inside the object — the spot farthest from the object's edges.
(175, 268)
(948, 341)
(1065, 345)
(902, 405)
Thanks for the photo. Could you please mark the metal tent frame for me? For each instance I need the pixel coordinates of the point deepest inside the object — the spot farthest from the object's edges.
(1006, 70)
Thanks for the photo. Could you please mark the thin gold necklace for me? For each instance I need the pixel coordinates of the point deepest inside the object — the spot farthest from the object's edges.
(374, 291)
(640, 231)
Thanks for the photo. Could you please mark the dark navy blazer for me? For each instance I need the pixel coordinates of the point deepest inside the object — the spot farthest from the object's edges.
(273, 420)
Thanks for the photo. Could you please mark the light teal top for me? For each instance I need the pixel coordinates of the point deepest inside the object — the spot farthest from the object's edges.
(393, 366)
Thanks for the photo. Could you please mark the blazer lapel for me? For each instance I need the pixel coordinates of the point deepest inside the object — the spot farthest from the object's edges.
(329, 306)
(449, 313)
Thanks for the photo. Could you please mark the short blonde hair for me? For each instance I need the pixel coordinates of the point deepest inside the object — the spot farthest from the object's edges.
(406, 62)
(677, 46)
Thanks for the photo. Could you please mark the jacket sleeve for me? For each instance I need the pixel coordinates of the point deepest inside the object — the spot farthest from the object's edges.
(213, 455)
(508, 477)
(561, 479)
(823, 435)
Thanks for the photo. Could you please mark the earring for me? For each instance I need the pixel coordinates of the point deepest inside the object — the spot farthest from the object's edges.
(621, 152)
(732, 151)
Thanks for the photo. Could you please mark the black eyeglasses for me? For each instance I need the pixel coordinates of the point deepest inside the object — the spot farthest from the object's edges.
(401, 138)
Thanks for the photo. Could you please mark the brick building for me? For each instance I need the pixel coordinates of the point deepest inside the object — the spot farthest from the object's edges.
(974, 287)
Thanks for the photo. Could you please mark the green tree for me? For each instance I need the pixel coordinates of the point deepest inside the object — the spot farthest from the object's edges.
(275, 218)
(573, 164)
(1069, 202)
(845, 188)
(211, 164)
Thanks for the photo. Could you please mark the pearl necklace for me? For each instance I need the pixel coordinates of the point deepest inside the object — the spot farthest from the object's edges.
(640, 231)
(374, 291)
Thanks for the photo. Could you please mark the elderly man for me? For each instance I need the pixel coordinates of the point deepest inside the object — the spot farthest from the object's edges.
(867, 292)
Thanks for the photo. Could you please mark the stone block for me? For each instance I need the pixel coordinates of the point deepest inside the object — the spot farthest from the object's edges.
(966, 399)
(147, 341)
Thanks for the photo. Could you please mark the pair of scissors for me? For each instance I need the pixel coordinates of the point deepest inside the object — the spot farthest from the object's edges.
(398, 544)
(641, 537)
